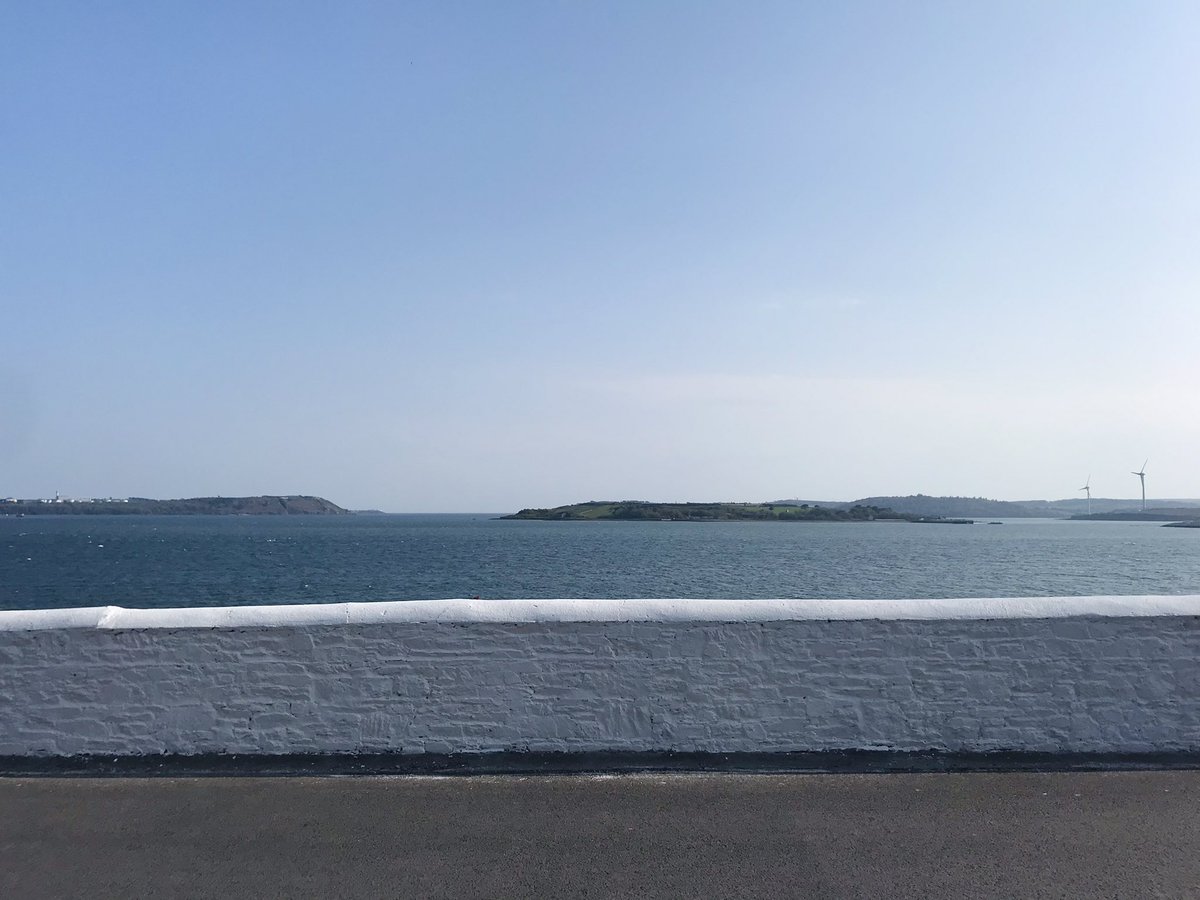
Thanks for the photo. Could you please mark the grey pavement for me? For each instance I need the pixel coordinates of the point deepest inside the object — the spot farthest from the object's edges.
(1094, 835)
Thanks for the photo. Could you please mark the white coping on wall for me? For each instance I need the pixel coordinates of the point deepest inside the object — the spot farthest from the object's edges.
(526, 611)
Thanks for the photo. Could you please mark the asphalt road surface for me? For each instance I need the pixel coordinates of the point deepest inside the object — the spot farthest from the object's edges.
(1094, 835)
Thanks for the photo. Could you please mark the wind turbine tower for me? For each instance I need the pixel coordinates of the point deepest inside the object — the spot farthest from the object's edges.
(1087, 489)
(1141, 473)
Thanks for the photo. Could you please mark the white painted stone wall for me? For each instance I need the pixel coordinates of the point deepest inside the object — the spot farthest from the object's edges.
(1078, 674)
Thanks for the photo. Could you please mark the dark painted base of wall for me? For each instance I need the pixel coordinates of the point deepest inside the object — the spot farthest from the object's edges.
(517, 763)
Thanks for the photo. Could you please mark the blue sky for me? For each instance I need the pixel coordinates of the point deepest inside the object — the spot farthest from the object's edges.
(478, 256)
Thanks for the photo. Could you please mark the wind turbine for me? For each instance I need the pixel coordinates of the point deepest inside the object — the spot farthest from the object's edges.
(1141, 473)
(1087, 488)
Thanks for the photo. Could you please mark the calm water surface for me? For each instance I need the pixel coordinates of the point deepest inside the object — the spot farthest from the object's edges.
(57, 561)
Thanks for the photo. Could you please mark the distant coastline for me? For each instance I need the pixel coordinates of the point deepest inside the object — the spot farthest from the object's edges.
(1153, 514)
(645, 511)
(266, 505)
(983, 507)
(911, 508)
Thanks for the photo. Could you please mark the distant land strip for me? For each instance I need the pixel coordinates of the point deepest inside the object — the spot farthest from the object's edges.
(981, 507)
(267, 505)
(638, 510)
(1153, 514)
(914, 508)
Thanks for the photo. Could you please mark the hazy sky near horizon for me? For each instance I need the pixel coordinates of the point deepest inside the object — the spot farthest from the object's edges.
(478, 256)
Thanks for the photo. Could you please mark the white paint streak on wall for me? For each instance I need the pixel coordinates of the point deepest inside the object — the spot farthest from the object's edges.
(1056, 674)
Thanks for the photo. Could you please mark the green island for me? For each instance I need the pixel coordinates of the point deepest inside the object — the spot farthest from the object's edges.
(271, 505)
(641, 510)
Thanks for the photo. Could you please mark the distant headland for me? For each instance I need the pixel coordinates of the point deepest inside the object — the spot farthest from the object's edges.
(266, 505)
(645, 511)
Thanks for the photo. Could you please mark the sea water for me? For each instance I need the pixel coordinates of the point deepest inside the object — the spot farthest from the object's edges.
(153, 561)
